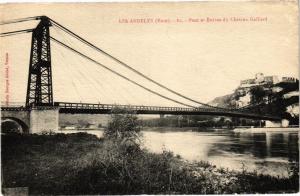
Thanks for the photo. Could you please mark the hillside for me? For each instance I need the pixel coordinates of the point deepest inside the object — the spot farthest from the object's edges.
(222, 101)
(279, 99)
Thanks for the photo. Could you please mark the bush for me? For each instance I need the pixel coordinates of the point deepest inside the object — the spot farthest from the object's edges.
(83, 164)
(123, 128)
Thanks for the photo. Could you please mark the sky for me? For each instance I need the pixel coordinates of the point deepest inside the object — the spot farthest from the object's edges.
(205, 55)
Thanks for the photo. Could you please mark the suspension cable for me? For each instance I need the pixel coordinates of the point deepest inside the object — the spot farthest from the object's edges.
(93, 80)
(107, 54)
(20, 20)
(11, 33)
(129, 67)
(120, 75)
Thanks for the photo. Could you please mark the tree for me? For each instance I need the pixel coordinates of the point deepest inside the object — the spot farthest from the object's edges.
(123, 127)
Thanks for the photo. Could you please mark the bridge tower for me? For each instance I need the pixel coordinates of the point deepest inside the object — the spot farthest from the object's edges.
(39, 86)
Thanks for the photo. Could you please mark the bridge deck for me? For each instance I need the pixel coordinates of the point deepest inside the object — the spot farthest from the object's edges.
(87, 108)
(65, 107)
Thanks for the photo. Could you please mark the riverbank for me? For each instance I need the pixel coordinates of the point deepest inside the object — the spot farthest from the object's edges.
(81, 163)
(267, 129)
(187, 129)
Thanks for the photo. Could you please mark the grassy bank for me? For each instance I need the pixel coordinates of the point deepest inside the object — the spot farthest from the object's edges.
(83, 164)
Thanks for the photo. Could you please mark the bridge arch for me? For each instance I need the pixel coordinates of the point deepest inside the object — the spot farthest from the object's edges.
(20, 126)
(19, 116)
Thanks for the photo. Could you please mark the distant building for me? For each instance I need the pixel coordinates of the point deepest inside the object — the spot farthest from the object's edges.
(288, 79)
(271, 79)
(243, 92)
(248, 81)
(259, 79)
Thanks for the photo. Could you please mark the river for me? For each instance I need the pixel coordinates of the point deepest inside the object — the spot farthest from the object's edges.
(267, 153)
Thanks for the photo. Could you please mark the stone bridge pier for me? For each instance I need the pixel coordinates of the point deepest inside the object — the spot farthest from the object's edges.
(33, 120)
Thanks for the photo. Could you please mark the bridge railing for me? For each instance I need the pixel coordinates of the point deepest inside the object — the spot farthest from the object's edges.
(89, 106)
(12, 104)
(86, 106)
(105, 108)
(94, 106)
(111, 106)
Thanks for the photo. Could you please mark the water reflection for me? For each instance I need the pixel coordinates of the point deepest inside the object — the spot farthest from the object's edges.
(265, 152)
(268, 153)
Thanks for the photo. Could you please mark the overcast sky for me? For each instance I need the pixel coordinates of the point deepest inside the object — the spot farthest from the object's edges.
(198, 59)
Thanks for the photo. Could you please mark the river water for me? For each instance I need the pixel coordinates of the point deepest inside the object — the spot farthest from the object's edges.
(267, 153)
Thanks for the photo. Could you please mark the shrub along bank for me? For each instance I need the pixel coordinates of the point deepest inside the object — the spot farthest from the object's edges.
(83, 164)
(116, 164)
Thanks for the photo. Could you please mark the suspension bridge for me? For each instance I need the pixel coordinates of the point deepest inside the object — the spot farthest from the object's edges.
(40, 112)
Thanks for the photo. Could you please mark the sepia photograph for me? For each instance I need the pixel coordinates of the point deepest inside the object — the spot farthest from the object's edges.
(153, 98)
